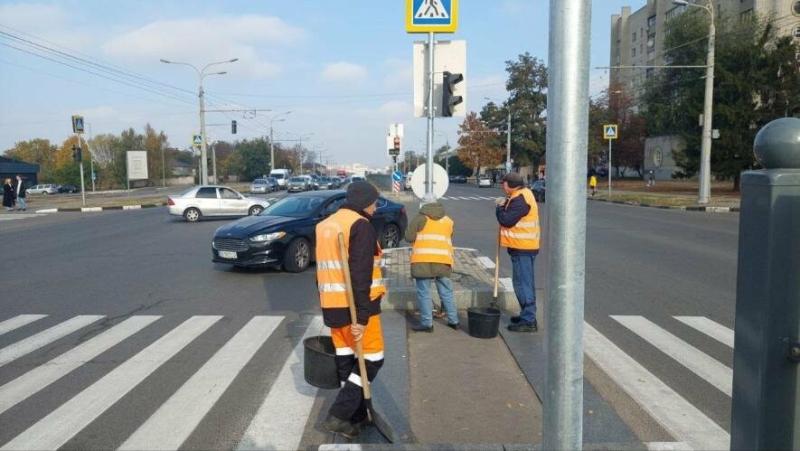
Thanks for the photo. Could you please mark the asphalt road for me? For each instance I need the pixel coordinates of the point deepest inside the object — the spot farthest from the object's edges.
(643, 265)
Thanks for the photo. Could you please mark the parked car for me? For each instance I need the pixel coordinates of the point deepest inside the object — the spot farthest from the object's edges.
(313, 180)
(209, 200)
(45, 189)
(68, 189)
(281, 176)
(539, 190)
(265, 185)
(301, 183)
(283, 234)
(484, 182)
(458, 179)
(328, 183)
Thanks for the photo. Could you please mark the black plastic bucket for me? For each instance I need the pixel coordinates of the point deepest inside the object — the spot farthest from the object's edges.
(483, 322)
(319, 362)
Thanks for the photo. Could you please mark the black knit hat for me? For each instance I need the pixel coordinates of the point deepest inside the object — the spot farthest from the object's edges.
(514, 180)
(361, 194)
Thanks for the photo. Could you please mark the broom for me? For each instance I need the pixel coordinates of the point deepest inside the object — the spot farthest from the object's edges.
(372, 416)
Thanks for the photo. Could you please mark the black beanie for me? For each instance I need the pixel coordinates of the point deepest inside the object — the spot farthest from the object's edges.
(361, 195)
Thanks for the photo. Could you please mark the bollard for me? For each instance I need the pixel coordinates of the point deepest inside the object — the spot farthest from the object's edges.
(765, 412)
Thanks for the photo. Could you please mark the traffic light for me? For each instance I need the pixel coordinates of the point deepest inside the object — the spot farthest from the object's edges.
(76, 154)
(233, 127)
(449, 101)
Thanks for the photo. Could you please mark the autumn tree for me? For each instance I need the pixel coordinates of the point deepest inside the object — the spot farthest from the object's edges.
(38, 151)
(477, 147)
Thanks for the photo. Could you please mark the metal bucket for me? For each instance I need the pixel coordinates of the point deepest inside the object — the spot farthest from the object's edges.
(483, 322)
(319, 362)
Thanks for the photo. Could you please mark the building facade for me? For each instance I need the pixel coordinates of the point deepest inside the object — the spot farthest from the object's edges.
(637, 38)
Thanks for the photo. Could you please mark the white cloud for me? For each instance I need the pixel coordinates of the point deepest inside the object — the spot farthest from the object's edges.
(396, 108)
(200, 40)
(399, 74)
(48, 22)
(343, 71)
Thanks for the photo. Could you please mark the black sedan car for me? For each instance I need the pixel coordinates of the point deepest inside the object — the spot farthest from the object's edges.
(283, 234)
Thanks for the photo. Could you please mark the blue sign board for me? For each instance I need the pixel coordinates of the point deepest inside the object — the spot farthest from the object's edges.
(438, 16)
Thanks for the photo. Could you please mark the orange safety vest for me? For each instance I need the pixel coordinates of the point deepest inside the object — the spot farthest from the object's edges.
(434, 242)
(525, 234)
(330, 272)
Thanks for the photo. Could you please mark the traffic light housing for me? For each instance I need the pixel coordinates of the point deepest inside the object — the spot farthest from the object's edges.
(233, 127)
(449, 100)
(77, 154)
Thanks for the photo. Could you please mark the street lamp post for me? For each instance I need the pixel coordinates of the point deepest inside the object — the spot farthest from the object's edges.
(508, 137)
(704, 193)
(201, 74)
(272, 141)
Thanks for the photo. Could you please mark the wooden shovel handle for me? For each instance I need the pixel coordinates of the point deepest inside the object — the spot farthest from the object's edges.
(497, 265)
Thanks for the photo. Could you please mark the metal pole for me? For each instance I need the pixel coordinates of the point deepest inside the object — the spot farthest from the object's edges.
(429, 160)
(80, 163)
(214, 160)
(163, 168)
(271, 150)
(508, 141)
(567, 139)
(708, 105)
(609, 168)
(203, 148)
(300, 153)
(91, 158)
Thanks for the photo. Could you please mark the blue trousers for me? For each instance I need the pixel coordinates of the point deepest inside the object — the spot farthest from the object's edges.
(425, 302)
(524, 285)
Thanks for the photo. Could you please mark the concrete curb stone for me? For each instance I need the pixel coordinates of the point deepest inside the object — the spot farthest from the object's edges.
(697, 208)
(99, 209)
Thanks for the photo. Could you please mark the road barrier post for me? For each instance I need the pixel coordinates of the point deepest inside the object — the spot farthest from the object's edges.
(766, 381)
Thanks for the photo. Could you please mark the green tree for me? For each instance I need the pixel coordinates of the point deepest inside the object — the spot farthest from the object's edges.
(252, 160)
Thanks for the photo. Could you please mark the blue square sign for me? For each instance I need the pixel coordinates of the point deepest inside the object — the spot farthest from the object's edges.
(438, 16)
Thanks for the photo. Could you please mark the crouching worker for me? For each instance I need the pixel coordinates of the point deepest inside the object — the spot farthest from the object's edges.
(363, 255)
(431, 233)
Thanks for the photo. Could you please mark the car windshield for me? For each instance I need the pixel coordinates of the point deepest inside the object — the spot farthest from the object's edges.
(277, 176)
(295, 207)
(297, 179)
(259, 182)
(324, 179)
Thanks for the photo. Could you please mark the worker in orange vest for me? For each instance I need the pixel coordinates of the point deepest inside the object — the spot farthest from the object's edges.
(518, 216)
(431, 233)
(364, 257)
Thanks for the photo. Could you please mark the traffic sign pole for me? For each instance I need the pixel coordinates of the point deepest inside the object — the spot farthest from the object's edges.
(609, 169)
(429, 164)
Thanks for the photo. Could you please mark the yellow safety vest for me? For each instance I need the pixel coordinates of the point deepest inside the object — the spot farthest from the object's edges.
(525, 234)
(330, 273)
(434, 243)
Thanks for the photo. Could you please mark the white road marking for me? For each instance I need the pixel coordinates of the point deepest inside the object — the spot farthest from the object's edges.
(175, 420)
(91, 209)
(714, 372)
(282, 417)
(131, 207)
(680, 418)
(464, 198)
(45, 337)
(487, 198)
(714, 330)
(40, 377)
(486, 262)
(17, 322)
(57, 428)
(16, 216)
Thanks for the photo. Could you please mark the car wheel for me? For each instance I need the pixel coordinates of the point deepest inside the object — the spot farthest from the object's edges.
(390, 236)
(191, 215)
(297, 256)
(255, 210)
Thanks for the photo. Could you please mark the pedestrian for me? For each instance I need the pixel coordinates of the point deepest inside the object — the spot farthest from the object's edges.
(8, 195)
(431, 235)
(364, 255)
(593, 184)
(518, 216)
(651, 175)
(20, 191)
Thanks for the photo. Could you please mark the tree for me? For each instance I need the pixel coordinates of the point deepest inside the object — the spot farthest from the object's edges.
(477, 146)
(251, 159)
(756, 80)
(154, 144)
(38, 151)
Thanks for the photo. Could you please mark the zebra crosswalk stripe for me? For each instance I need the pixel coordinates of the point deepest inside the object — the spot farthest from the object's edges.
(58, 427)
(17, 322)
(677, 415)
(711, 370)
(45, 337)
(280, 420)
(714, 330)
(40, 377)
(175, 420)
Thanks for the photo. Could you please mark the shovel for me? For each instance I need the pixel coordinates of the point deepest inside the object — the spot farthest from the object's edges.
(372, 416)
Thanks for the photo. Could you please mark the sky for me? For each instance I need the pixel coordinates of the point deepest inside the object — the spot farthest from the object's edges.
(343, 68)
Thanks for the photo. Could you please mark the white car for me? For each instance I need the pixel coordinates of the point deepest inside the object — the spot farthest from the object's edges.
(210, 200)
(484, 182)
(48, 188)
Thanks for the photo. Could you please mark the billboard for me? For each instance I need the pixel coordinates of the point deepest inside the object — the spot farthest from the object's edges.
(137, 164)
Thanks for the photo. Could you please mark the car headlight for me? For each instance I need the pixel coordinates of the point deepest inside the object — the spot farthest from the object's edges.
(264, 237)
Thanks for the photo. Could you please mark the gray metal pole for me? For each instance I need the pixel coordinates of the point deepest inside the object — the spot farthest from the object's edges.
(567, 139)
(91, 158)
(429, 159)
(609, 168)
(271, 150)
(163, 168)
(80, 163)
(203, 148)
(508, 141)
(708, 106)
(214, 161)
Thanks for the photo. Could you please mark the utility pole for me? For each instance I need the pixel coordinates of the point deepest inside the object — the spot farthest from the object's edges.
(214, 160)
(163, 169)
(271, 139)
(91, 156)
(508, 141)
(567, 139)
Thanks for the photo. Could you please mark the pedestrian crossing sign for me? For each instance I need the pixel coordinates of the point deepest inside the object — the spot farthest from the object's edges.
(610, 131)
(438, 16)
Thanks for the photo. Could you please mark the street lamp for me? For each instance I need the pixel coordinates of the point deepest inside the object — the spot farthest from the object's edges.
(705, 148)
(271, 141)
(508, 137)
(201, 74)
